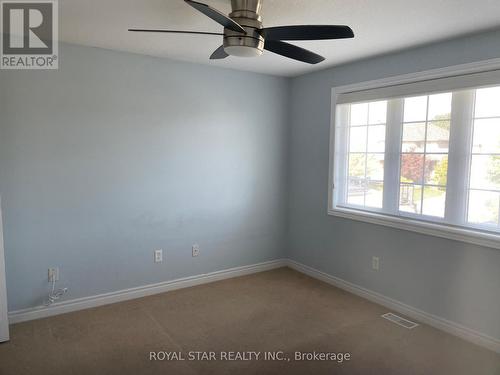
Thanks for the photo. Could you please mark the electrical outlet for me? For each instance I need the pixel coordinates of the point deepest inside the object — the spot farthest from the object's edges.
(196, 250)
(53, 274)
(158, 256)
(375, 263)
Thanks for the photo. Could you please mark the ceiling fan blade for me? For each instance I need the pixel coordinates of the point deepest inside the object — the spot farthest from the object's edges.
(293, 52)
(219, 54)
(308, 32)
(216, 16)
(173, 31)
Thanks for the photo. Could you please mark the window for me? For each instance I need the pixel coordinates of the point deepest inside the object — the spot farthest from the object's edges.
(424, 154)
(366, 154)
(484, 183)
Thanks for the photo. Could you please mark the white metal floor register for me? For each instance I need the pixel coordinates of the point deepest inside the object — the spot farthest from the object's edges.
(400, 321)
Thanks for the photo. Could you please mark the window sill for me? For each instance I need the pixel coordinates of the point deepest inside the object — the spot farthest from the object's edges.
(471, 236)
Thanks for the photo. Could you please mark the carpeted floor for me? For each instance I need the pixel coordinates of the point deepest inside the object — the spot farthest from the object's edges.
(275, 311)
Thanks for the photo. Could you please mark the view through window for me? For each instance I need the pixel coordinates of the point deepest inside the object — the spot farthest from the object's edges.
(398, 156)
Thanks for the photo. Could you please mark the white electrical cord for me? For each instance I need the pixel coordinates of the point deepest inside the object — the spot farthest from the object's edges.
(54, 295)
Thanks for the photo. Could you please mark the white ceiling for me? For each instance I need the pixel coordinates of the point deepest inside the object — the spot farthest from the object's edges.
(381, 26)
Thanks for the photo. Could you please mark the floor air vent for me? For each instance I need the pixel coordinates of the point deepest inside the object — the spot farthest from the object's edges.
(399, 321)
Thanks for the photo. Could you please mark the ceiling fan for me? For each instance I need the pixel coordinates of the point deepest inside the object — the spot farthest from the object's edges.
(245, 36)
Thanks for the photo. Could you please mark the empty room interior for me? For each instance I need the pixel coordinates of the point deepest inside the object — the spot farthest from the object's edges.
(250, 187)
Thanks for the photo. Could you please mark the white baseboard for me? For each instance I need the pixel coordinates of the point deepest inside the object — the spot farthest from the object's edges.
(442, 324)
(142, 291)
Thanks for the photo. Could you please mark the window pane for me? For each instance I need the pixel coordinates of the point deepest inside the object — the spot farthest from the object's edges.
(439, 107)
(486, 136)
(356, 191)
(410, 198)
(434, 201)
(357, 139)
(415, 109)
(436, 169)
(485, 172)
(412, 168)
(374, 195)
(413, 137)
(375, 167)
(359, 114)
(487, 102)
(376, 138)
(483, 207)
(378, 112)
(366, 133)
(438, 136)
(357, 165)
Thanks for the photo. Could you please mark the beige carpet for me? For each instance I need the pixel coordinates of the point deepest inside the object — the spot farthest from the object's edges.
(274, 311)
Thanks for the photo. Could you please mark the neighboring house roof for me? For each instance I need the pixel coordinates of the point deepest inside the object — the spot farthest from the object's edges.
(434, 133)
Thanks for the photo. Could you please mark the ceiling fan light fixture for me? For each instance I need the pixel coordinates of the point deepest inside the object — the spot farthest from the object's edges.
(243, 51)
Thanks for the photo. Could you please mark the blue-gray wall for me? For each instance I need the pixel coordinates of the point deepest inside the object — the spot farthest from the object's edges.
(115, 155)
(454, 280)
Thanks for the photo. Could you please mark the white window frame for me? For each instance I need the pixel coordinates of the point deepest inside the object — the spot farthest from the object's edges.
(421, 225)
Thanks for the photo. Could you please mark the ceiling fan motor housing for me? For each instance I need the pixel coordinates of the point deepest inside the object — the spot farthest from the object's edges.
(247, 14)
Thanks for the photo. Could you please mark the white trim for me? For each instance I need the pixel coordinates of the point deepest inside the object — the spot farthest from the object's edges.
(437, 322)
(474, 67)
(424, 227)
(459, 157)
(138, 292)
(463, 234)
(451, 82)
(392, 155)
(4, 322)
